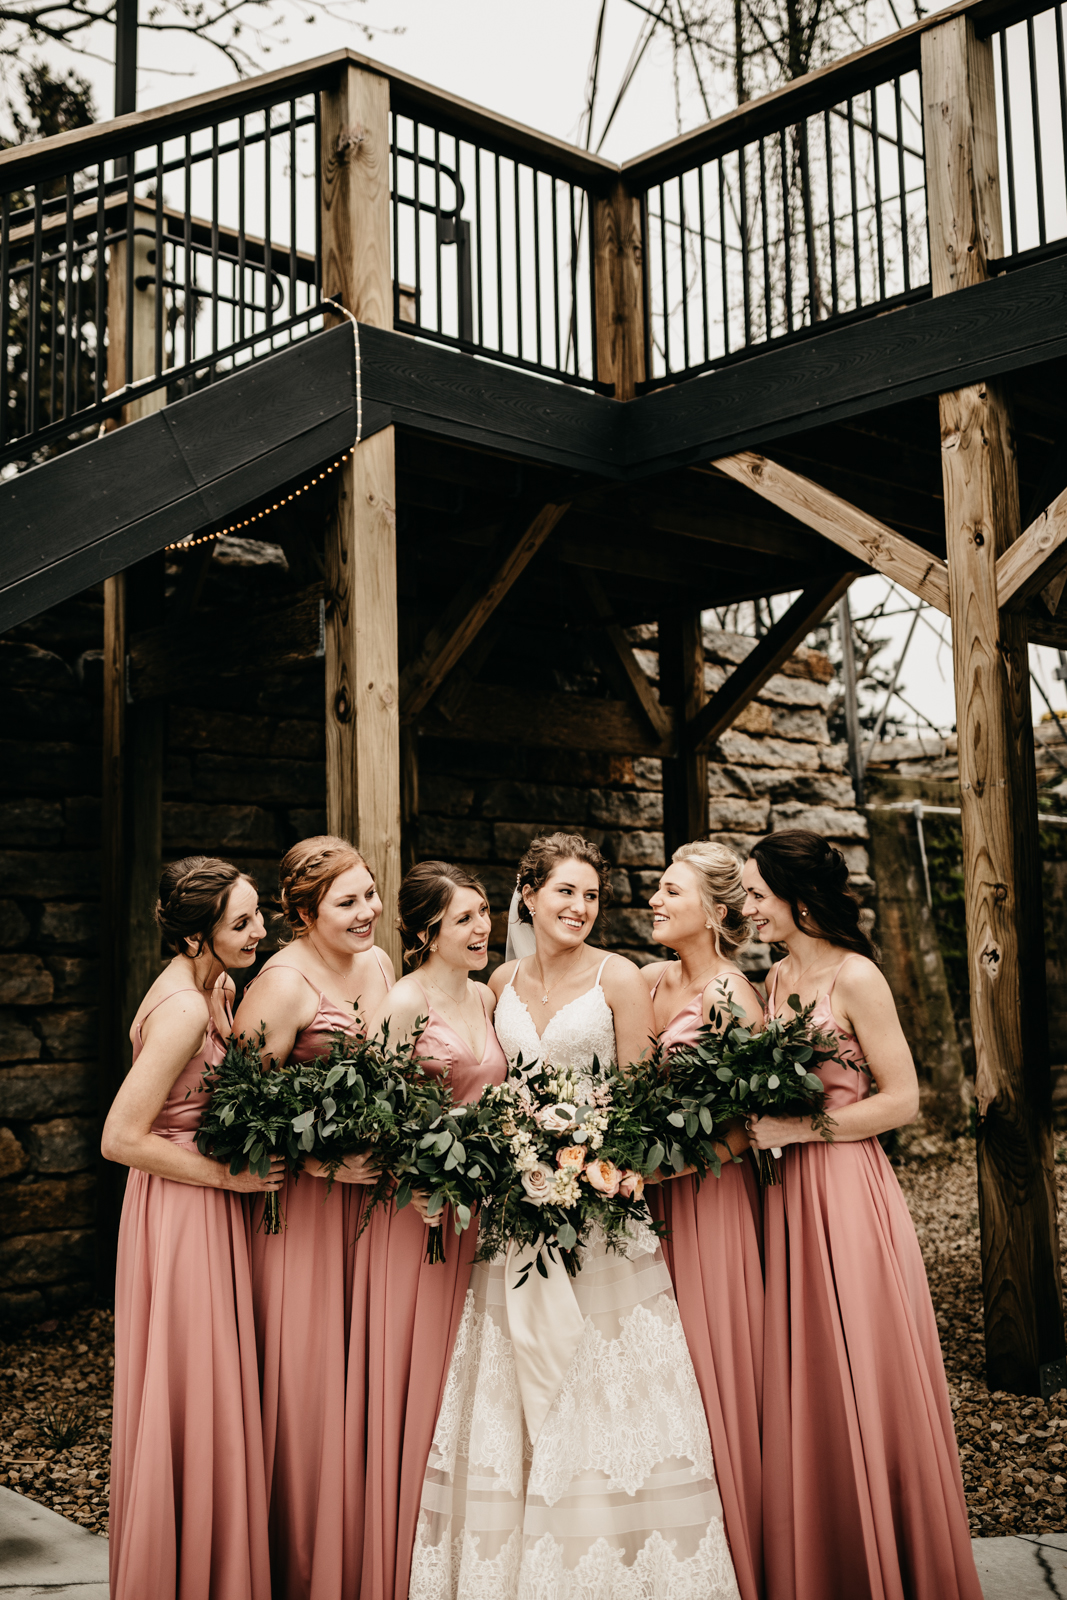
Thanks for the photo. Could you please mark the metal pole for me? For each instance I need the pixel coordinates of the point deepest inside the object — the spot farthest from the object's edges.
(917, 809)
(125, 56)
(852, 715)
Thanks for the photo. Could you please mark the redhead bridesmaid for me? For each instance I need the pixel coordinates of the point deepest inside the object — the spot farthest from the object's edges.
(328, 977)
(188, 1505)
(410, 1310)
(714, 1244)
(863, 1498)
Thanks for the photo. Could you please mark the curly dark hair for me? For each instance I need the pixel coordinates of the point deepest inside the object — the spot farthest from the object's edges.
(798, 865)
(543, 855)
(193, 896)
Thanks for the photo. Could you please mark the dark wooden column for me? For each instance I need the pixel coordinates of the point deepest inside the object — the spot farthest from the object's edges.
(685, 774)
(998, 790)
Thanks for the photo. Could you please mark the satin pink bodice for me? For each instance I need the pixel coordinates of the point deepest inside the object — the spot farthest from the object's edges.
(330, 1018)
(684, 1027)
(181, 1112)
(443, 1051)
(848, 1080)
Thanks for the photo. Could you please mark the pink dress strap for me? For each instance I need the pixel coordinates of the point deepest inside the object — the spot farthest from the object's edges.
(852, 954)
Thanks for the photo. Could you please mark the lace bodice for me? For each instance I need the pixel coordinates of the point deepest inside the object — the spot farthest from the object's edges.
(580, 1030)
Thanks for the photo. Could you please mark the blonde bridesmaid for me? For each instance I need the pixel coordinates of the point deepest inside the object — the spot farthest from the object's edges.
(863, 1498)
(188, 1503)
(714, 1246)
(325, 980)
(408, 1309)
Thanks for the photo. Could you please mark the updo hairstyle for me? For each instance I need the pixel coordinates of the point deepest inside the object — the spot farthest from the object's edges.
(798, 865)
(193, 896)
(306, 872)
(425, 895)
(718, 873)
(545, 854)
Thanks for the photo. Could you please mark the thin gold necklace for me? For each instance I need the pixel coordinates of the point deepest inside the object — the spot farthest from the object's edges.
(329, 964)
(458, 1011)
(549, 988)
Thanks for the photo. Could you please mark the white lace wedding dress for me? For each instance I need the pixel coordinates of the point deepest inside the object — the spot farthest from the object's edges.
(616, 1497)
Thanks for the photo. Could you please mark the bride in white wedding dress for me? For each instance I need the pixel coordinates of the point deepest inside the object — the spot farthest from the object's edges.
(571, 1458)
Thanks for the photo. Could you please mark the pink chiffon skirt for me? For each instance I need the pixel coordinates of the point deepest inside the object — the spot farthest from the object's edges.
(863, 1498)
(188, 1503)
(714, 1255)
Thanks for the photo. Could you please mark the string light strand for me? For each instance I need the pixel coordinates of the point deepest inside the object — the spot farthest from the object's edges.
(257, 516)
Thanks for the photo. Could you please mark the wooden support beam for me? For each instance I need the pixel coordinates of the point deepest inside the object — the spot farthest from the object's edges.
(1036, 559)
(1024, 1329)
(457, 685)
(685, 771)
(462, 620)
(354, 203)
(775, 648)
(620, 290)
(632, 673)
(863, 536)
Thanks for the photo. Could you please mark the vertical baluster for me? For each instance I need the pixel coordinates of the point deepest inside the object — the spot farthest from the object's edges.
(241, 197)
(537, 263)
(855, 201)
(394, 154)
(664, 280)
(159, 307)
(646, 280)
(724, 270)
(5, 305)
(215, 241)
(574, 281)
(590, 278)
(100, 284)
(268, 227)
(416, 178)
(187, 230)
(684, 237)
(1009, 154)
(1035, 112)
(742, 161)
(787, 230)
(131, 251)
(499, 256)
(518, 266)
(555, 276)
(318, 190)
(703, 263)
(904, 251)
(79, 318)
(809, 224)
(53, 340)
(832, 220)
(70, 327)
(1061, 73)
(439, 320)
(478, 231)
(876, 149)
(292, 211)
(33, 315)
(768, 309)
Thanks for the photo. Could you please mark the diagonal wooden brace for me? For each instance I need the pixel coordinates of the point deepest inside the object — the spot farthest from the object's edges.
(1036, 560)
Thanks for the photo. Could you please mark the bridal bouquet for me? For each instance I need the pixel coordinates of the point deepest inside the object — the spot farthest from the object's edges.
(572, 1149)
(250, 1116)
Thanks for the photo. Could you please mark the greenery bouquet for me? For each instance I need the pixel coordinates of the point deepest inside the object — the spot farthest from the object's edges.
(250, 1116)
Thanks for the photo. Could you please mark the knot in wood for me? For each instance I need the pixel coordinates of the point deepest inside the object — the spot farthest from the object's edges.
(989, 961)
(979, 537)
(951, 441)
(350, 139)
(342, 709)
(1000, 892)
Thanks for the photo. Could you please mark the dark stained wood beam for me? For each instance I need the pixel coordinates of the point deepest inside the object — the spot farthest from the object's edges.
(469, 611)
(637, 679)
(776, 646)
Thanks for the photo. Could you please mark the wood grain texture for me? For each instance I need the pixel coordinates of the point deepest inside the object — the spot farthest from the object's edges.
(685, 771)
(746, 680)
(493, 714)
(632, 673)
(461, 620)
(962, 172)
(845, 525)
(618, 254)
(362, 675)
(355, 213)
(1039, 553)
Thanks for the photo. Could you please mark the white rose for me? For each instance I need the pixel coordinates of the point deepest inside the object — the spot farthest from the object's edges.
(538, 1183)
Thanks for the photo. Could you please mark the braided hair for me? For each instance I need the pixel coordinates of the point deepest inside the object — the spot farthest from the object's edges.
(798, 865)
(306, 872)
(193, 896)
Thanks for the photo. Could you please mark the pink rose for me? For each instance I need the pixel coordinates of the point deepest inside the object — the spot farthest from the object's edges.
(632, 1185)
(555, 1119)
(537, 1183)
(571, 1157)
(604, 1176)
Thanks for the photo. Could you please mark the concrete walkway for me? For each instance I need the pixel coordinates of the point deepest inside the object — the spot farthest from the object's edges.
(42, 1554)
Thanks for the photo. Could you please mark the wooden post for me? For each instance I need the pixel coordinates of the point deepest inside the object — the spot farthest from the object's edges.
(362, 668)
(1005, 943)
(620, 292)
(685, 775)
(120, 283)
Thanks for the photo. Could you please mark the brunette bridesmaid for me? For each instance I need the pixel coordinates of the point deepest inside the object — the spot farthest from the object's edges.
(410, 1310)
(325, 980)
(863, 1498)
(714, 1244)
(188, 1505)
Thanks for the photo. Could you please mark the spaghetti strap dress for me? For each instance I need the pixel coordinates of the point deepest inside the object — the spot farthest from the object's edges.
(405, 1316)
(302, 1297)
(188, 1503)
(863, 1498)
(714, 1253)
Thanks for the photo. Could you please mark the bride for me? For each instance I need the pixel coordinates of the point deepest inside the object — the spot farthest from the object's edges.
(571, 1458)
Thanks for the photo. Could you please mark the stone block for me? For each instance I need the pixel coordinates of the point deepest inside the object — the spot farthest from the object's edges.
(454, 839)
(833, 757)
(823, 820)
(29, 824)
(621, 891)
(177, 775)
(498, 932)
(65, 1144)
(638, 849)
(41, 1206)
(563, 807)
(785, 783)
(13, 1158)
(726, 780)
(648, 661)
(614, 808)
(26, 666)
(188, 825)
(14, 927)
(299, 741)
(499, 882)
(447, 797)
(47, 873)
(856, 859)
(29, 1093)
(47, 768)
(76, 979)
(22, 1310)
(70, 923)
(738, 816)
(645, 885)
(233, 778)
(307, 824)
(590, 769)
(511, 838)
(24, 981)
(81, 822)
(70, 716)
(648, 772)
(745, 751)
(740, 843)
(68, 1035)
(194, 728)
(755, 718)
(628, 927)
(63, 1298)
(780, 690)
(18, 1042)
(31, 1260)
(799, 722)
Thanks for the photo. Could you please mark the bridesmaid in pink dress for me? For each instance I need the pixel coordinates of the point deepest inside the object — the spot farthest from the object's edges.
(410, 1310)
(188, 1507)
(302, 1277)
(863, 1498)
(714, 1247)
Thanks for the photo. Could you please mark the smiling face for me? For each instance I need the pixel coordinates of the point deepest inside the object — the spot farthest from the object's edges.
(240, 928)
(771, 916)
(678, 913)
(348, 914)
(462, 938)
(567, 903)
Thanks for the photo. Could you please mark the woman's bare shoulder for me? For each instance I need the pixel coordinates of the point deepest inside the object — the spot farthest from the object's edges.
(653, 972)
(503, 975)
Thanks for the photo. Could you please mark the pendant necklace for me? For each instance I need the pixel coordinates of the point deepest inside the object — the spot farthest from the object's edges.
(549, 988)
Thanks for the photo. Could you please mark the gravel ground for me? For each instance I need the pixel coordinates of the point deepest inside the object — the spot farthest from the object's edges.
(55, 1380)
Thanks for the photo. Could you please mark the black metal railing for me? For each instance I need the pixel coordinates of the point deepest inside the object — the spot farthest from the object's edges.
(1030, 64)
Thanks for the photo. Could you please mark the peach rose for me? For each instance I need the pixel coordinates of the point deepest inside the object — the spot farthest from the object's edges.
(632, 1185)
(570, 1157)
(604, 1176)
